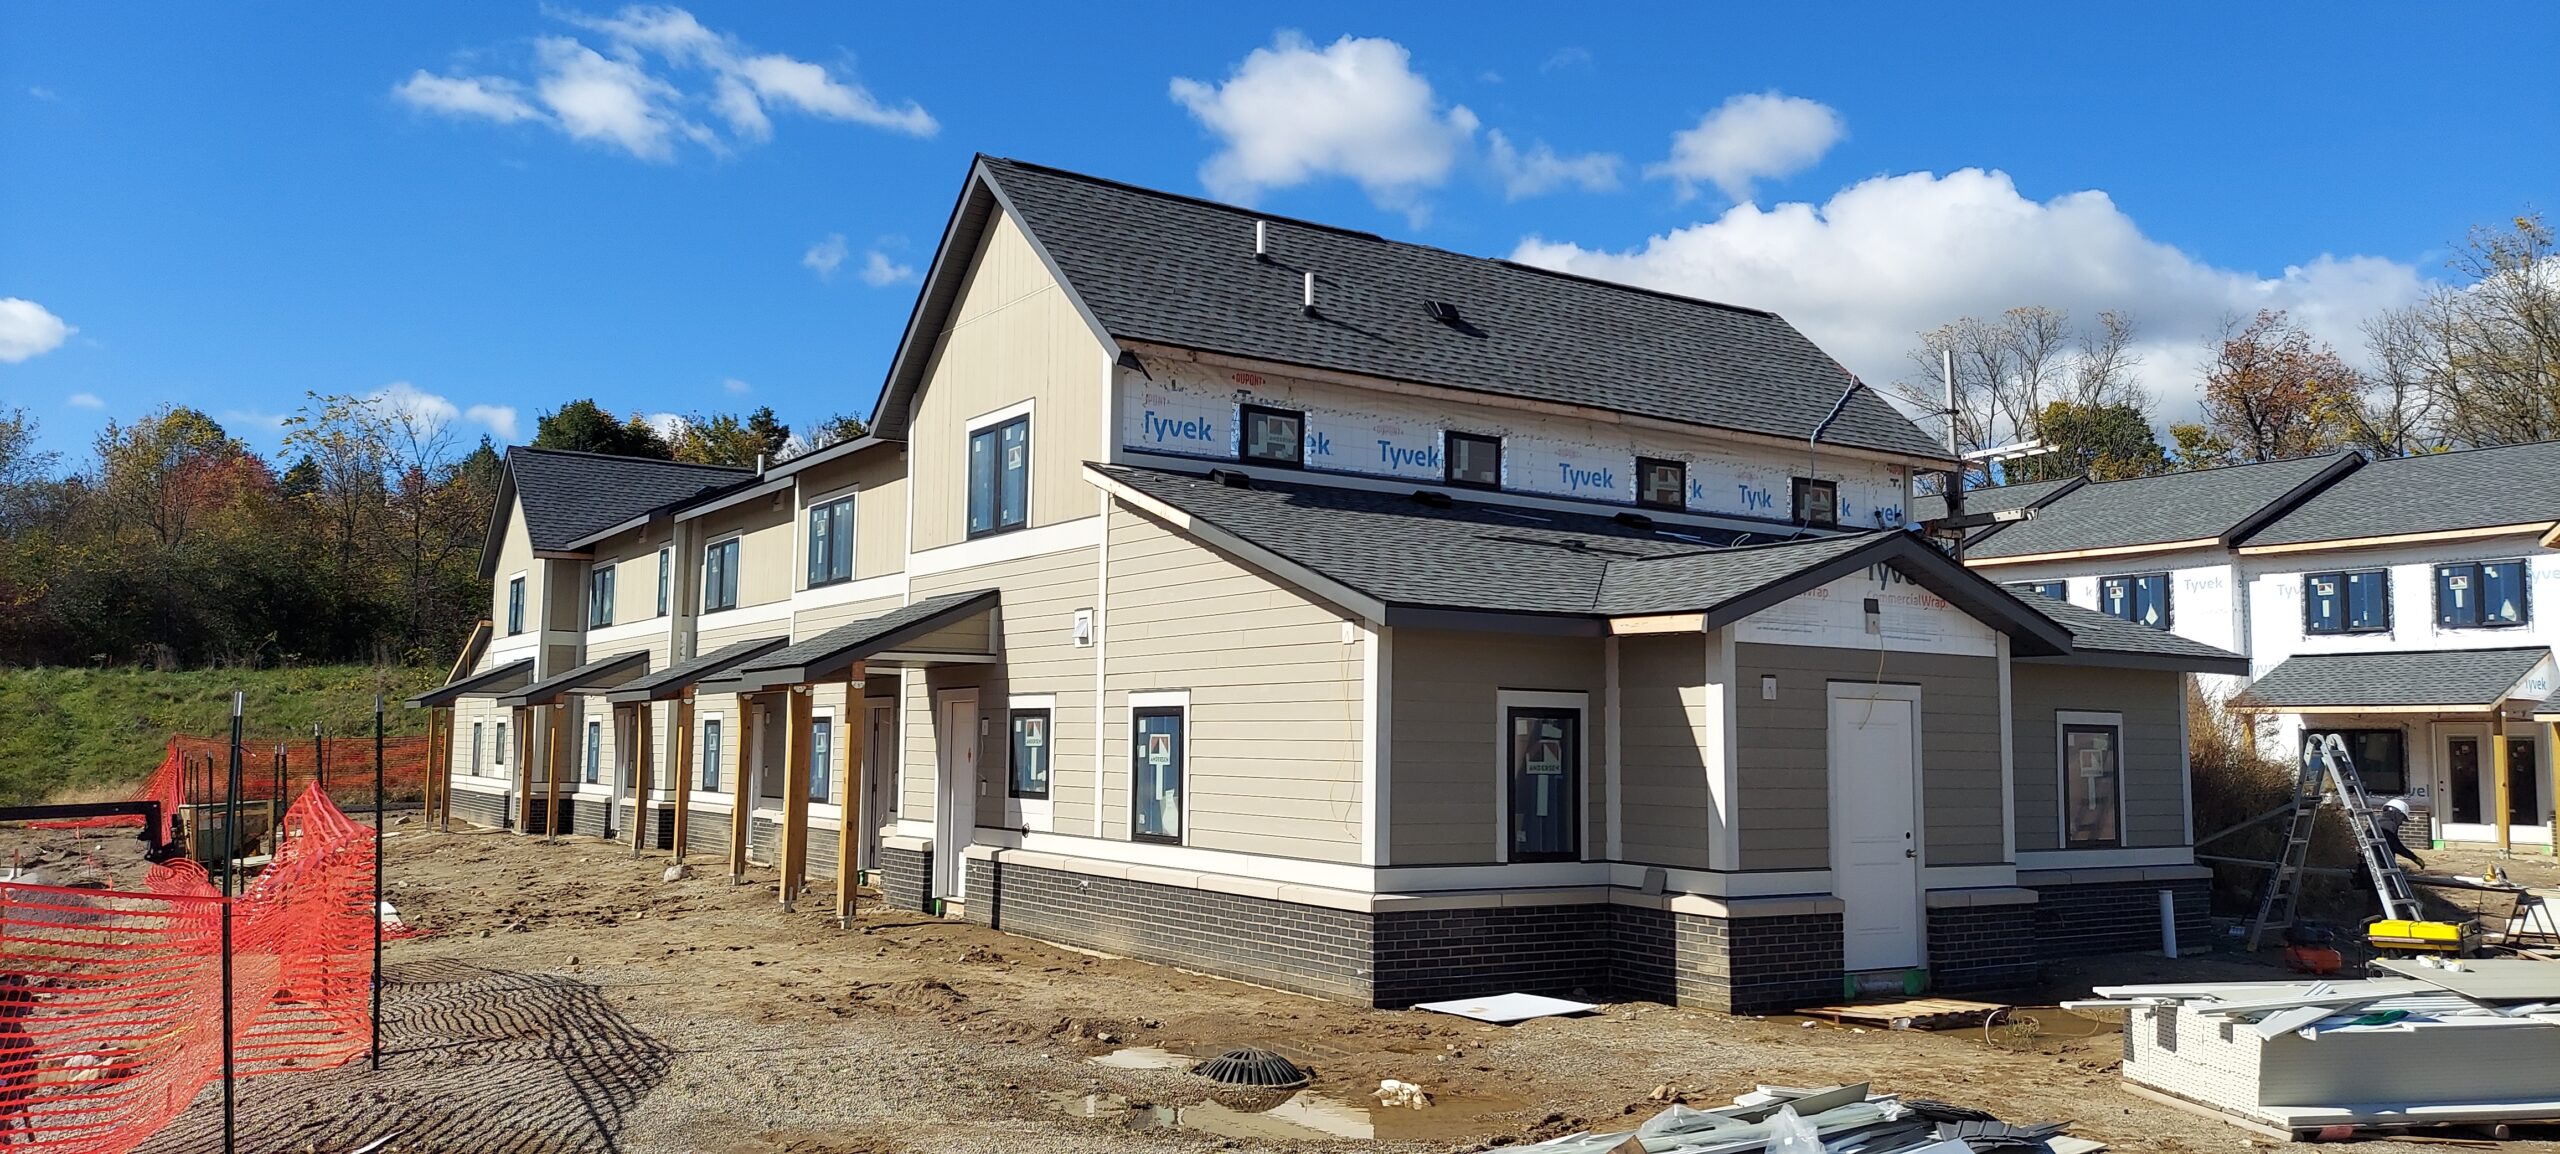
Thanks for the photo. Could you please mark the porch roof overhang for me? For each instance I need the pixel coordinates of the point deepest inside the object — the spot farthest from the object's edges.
(488, 683)
(953, 628)
(2549, 709)
(673, 681)
(595, 676)
(2479, 681)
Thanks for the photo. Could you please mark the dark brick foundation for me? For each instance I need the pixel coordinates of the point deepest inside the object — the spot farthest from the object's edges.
(2074, 921)
(482, 809)
(1982, 947)
(706, 837)
(592, 816)
(1462, 953)
(906, 879)
(1759, 965)
(1308, 949)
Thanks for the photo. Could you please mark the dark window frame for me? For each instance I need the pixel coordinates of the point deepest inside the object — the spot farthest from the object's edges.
(479, 741)
(1645, 467)
(1801, 510)
(1515, 774)
(1181, 763)
(822, 756)
(2475, 573)
(666, 578)
(715, 738)
(2133, 599)
(595, 753)
(2345, 621)
(600, 583)
(499, 751)
(1449, 439)
(1297, 458)
(1013, 759)
(1000, 519)
(2049, 590)
(836, 513)
(515, 606)
(2393, 782)
(721, 593)
(2115, 749)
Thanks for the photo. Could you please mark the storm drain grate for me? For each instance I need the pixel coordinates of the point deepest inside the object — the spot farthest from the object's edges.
(1247, 1066)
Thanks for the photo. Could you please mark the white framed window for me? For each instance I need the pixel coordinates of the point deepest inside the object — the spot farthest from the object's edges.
(476, 735)
(1160, 751)
(720, 575)
(666, 575)
(595, 752)
(822, 754)
(500, 749)
(2091, 747)
(830, 541)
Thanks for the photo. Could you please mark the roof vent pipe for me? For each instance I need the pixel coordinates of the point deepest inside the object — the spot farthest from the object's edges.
(759, 464)
(1308, 295)
(1262, 240)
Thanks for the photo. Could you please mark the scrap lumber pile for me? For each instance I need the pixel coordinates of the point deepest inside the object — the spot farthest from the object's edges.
(1840, 1119)
(2435, 1043)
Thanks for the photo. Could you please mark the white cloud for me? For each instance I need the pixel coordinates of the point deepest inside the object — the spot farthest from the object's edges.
(486, 97)
(879, 271)
(1889, 257)
(826, 256)
(85, 401)
(645, 84)
(1541, 169)
(1748, 138)
(268, 425)
(28, 329)
(1291, 113)
(668, 425)
(1566, 58)
(500, 420)
(43, 93)
(736, 386)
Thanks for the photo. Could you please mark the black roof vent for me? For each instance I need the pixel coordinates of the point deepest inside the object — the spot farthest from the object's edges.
(1247, 1066)
(1433, 498)
(1445, 312)
(1636, 521)
(1231, 478)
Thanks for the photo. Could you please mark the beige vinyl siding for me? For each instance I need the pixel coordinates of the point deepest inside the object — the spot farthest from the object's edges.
(1014, 336)
(564, 605)
(2155, 764)
(808, 623)
(1276, 710)
(1783, 781)
(515, 555)
(729, 708)
(710, 640)
(766, 550)
(918, 755)
(1445, 762)
(1663, 729)
(1039, 597)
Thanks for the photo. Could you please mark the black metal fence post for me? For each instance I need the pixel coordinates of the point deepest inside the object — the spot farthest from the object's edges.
(378, 833)
(230, 872)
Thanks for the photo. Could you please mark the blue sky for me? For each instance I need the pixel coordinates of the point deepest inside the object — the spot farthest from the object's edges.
(491, 209)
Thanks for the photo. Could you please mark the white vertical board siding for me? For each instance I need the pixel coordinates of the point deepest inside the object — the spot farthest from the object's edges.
(1191, 409)
(1276, 708)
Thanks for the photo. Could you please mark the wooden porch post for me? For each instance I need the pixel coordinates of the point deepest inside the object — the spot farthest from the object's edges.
(800, 714)
(524, 769)
(681, 784)
(444, 787)
(853, 737)
(742, 792)
(559, 714)
(436, 766)
(2551, 753)
(643, 743)
(2498, 768)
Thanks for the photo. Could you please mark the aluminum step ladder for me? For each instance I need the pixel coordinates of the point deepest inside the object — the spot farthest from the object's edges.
(2329, 774)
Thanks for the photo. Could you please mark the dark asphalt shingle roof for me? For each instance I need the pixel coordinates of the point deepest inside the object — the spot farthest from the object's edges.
(1713, 577)
(486, 683)
(2092, 631)
(567, 496)
(2470, 489)
(601, 671)
(1992, 498)
(2207, 503)
(860, 638)
(1154, 266)
(672, 680)
(2446, 677)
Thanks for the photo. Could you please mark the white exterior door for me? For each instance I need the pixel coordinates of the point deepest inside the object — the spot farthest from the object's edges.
(880, 779)
(1875, 846)
(955, 812)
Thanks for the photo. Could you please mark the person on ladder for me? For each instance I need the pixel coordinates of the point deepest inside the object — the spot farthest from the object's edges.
(2395, 813)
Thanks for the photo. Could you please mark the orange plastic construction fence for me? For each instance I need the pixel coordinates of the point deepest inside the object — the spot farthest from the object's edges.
(195, 770)
(111, 1002)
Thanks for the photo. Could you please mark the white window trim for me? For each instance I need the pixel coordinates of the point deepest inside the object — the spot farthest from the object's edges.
(2063, 719)
(801, 542)
(498, 751)
(833, 809)
(610, 602)
(598, 726)
(666, 592)
(526, 577)
(1156, 699)
(1030, 465)
(1504, 700)
(703, 568)
(718, 797)
(479, 736)
(1039, 813)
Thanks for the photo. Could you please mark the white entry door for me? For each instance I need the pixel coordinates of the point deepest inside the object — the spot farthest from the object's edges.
(955, 810)
(880, 775)
(1875, 847)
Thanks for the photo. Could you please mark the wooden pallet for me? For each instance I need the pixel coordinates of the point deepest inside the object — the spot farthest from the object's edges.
(1922, 1013)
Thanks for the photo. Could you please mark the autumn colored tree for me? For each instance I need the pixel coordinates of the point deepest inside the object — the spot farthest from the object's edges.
(2273, 391)
(724, 439)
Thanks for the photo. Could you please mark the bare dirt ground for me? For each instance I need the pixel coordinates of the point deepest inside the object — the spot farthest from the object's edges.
(566, 998)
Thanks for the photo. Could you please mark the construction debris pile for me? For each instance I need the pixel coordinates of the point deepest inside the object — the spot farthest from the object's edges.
(2439, 1042)
(1840, 1120)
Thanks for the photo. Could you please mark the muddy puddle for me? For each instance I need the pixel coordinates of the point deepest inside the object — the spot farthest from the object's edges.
(1299, 1114)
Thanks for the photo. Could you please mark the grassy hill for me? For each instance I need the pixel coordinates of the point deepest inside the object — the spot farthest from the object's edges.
(90, 729)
